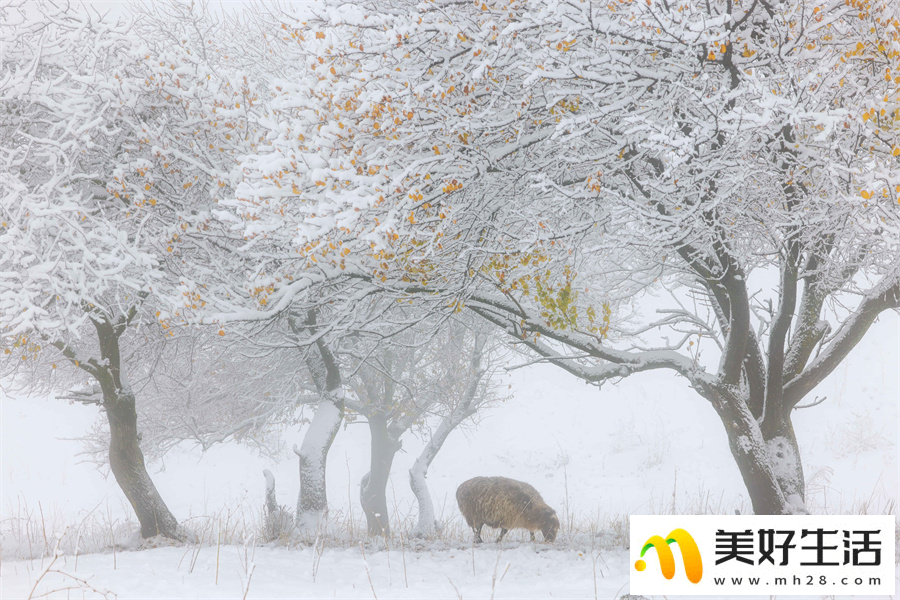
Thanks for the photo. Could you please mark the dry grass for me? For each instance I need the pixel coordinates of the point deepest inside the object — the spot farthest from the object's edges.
(34, 532)
(26, 535)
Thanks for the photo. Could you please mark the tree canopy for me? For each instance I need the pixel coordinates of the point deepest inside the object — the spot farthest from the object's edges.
(546, 165)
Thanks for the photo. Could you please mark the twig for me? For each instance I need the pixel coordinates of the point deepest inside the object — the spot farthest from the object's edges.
(249, 577)
(403, 554)
(218, 547)
(77, 543)
(44, 527)
(188, 549)
(196, 554)
(80, 583)
(674, 491)
(247, 563)
(494, 577)
(44, 572)
(349, 496)
(594, 559)
(815, 402)
(368, 573)
(387, 551)
(318, 549)
(455, 589)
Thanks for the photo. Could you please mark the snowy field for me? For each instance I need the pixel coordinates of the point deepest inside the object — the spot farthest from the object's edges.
(648, 445)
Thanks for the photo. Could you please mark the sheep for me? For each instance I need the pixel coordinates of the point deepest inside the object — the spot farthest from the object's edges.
(505, 504)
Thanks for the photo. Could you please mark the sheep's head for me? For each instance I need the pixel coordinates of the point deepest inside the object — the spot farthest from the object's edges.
(549, 523)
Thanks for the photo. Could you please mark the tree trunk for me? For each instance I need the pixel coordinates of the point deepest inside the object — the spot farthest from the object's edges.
(373, 488)
(784, 454)
(427, 523)
(750, 450)
(312, 502)
(279, 522)
(125, 457)
(127, 463)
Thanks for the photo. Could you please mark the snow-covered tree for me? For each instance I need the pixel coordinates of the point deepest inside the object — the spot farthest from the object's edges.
(198, 387)
(469, 389)
(432, 370)
(547, 164)
(76, 273)
(326, 372)
(102, 174)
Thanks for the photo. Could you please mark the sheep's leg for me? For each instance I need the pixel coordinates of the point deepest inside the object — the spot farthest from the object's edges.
(502, 533)
(477, 531)
(532, 535)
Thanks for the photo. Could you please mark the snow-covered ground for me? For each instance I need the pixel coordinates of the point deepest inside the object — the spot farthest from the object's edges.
(520, 571)
(648, 445)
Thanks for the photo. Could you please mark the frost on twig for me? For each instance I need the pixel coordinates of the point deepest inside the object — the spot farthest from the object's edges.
(68, 583)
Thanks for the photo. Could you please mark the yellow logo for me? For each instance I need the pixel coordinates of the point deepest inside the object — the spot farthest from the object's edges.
(693, 565)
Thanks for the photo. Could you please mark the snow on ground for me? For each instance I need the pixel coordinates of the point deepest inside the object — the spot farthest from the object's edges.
(648, 445)
(489, 572)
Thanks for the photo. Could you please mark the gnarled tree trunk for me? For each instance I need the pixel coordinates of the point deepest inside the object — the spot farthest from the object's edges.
(427, 523)
(312, 501)
(769, 464)
(784, 456)
(373, 487)
(125, 457)
(127, 463)
(750, 451)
